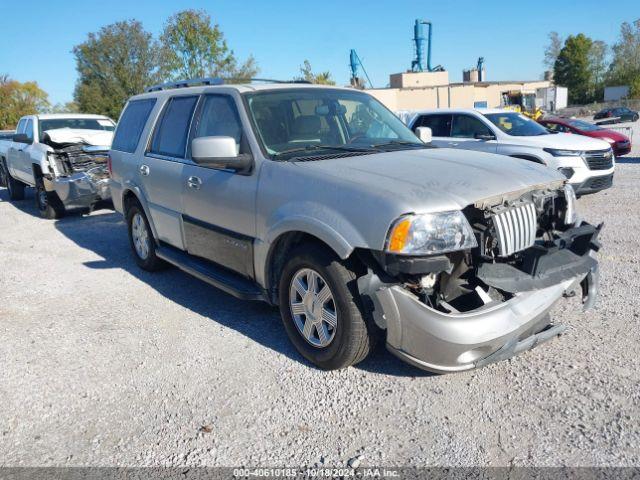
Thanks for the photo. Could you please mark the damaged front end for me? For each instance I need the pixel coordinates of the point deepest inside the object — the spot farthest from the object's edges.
(78, 174)
(463, 309)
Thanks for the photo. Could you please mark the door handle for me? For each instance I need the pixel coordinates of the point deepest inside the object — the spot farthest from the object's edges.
(453, 144)
(144, 170)
(194, 182)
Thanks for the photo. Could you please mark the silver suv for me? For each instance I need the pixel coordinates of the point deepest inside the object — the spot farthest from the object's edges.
(322, 202)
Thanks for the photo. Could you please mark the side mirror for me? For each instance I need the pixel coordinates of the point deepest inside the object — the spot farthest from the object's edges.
(221, 153)
(22, 138)
(424, 134)
(484, 136)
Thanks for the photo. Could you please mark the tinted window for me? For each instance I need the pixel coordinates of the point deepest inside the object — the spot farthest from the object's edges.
(29, 129)
(555, 127)
(586, 126)
(170, 136)
(440, 125)
(131, 125)
(466, 126)
(21, 124)
(218, 117)
(515, 124)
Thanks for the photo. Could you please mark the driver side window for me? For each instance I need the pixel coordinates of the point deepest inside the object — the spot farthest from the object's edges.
(466, 126)
(28, 129)
(218, 117)
(556, 127)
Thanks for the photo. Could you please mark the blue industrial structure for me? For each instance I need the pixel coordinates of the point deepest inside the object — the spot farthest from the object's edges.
(418, 64)
(355, 63)
(480, 68)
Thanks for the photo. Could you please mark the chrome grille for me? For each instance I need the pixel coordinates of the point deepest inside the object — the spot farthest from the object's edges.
(515, 228)
(599, 159)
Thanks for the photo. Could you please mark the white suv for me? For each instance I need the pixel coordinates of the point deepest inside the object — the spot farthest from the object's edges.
(588, 163)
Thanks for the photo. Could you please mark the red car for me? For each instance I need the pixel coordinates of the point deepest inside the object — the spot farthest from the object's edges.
(620, 143)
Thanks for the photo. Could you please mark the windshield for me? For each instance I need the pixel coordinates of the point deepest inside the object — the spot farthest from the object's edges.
(582, 125)
(515, 124)
(295, 122)
(78, 123)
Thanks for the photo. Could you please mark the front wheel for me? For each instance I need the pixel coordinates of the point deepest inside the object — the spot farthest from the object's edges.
(635, 117)
(49, 204)
(321, 309)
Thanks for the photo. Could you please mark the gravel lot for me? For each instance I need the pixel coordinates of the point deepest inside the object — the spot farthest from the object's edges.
(104, 364)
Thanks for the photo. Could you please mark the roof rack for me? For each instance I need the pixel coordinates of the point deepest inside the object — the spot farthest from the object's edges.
(213, 81)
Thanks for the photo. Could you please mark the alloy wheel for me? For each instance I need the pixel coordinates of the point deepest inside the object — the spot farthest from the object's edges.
(140, 236)
(313, 307)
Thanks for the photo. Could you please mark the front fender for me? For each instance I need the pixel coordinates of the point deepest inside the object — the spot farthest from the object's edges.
(328, 225)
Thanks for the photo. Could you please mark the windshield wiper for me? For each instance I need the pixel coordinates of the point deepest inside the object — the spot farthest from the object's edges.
(399, 142)
(311, 148)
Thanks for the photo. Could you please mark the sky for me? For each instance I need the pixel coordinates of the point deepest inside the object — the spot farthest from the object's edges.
(37, 37)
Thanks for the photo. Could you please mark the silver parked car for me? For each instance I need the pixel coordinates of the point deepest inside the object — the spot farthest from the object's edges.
(321, 201)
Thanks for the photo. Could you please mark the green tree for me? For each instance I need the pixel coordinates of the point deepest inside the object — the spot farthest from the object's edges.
(625, 66)
(322, 78)
(18, 99)
(572, 68)
(194, 47)
(598, 67)
(113, 64)
(69, 107)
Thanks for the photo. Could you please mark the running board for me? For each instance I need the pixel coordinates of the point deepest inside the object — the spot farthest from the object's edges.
(209, 272)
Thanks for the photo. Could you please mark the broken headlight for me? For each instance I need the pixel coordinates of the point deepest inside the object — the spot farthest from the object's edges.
(430, 233)
(570, 213)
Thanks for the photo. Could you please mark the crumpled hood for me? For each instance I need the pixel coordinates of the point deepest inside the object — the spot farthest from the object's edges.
(77, 135)
(562, 141)
(438, 178)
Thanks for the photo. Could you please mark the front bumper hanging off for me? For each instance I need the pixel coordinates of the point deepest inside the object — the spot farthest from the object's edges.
(80, 190)
(448, 342)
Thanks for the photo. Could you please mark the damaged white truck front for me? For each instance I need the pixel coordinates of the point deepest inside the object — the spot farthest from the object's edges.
(63, 156)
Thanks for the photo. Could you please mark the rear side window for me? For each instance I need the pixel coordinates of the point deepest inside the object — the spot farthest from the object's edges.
(440, 125)
(170, 136)
(131, 125)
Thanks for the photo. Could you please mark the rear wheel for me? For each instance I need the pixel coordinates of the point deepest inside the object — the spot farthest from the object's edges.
(141, 239)
(635, 117)
(321, 309)
(49, 204)
(15, 187)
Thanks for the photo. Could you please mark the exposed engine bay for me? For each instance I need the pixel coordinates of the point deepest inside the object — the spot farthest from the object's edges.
(78, 165)
(528, 242)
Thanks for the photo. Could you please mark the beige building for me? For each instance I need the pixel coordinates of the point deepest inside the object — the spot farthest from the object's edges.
(411, 91)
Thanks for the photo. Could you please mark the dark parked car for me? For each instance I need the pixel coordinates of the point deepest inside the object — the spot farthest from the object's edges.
(617, 114)
(620, 143)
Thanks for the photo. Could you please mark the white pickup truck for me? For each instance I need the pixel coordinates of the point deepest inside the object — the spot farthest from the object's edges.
(64, 156)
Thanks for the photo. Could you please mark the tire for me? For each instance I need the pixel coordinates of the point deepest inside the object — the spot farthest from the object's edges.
(15, 187)
(352, 336)
(48, 203)
(635, 117)
(141, 240)
(3, 174)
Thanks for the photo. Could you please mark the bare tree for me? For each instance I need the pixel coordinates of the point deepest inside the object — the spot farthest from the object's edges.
(552, 50)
